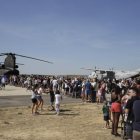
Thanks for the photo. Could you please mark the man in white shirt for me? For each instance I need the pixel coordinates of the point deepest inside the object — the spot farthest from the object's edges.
(54, 85)
(45, 83)
(120, 85)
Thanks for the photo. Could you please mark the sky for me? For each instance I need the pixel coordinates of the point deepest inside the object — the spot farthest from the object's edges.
(73, 34)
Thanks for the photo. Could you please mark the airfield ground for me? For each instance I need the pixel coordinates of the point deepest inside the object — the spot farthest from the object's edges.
(77, 121)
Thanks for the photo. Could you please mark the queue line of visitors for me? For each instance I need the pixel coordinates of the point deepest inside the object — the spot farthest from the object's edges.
(116, 95)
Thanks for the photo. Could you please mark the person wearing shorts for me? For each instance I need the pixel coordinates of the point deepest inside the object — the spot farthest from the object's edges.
(115, 109)
(39, 97)
(54, 85)
(51, 97)
(106, 115)
(34, 101)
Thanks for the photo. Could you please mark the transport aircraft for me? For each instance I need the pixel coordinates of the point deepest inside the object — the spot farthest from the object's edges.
(112, 74)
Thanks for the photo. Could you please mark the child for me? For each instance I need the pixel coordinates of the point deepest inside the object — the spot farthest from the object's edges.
(106, 114)
(34, 100)
(51, 97)
(99, 93)
(29, 85)
(39, 97)
(58, 99)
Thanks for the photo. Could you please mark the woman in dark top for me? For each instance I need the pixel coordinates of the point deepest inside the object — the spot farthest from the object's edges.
(109, 91)
(115, 109)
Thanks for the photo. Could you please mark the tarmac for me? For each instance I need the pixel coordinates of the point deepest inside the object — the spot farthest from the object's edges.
(16, 97)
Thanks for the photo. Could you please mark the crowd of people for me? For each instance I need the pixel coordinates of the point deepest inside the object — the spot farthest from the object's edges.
(119, 97)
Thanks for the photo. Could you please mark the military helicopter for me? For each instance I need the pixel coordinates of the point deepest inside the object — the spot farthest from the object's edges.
(112, 74)
(9, 67)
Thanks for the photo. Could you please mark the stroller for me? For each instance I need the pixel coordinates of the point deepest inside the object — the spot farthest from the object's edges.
(76, 92)
(123, 123)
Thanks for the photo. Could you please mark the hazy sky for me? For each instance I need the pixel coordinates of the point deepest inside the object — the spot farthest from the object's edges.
(72, 34)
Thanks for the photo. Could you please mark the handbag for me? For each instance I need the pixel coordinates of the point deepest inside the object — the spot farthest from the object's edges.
(108, 96)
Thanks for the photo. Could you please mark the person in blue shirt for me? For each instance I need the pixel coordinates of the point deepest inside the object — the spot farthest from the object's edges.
(87, 91)
(0, 83)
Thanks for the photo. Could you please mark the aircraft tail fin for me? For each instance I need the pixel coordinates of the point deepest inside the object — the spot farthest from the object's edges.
(138, 70)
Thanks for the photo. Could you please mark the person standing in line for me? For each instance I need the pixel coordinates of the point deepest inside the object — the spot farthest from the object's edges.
(133, 92)
(0, 84)
(136, 124)
(45, 83)
(108, 98)
(29, 85)
(48, 82)
(138, 87)
(3, 81)
(54, 82)
(115, 109)
(59, 81)
(83, 91)
(94, 91)
(99, 93)
(36, 81)
(10, 80)
(15, 80)
(87, 91)
(58, 98)
(103, 90)
(66, 87)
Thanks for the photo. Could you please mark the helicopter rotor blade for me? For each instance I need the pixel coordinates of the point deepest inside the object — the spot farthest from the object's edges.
(2, 54)
(33, 58)
(19, 64)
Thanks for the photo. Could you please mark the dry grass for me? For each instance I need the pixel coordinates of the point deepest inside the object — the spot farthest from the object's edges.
(76, 122)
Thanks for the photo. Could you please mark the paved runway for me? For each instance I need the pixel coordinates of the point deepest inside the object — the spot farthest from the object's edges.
(15, 97)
